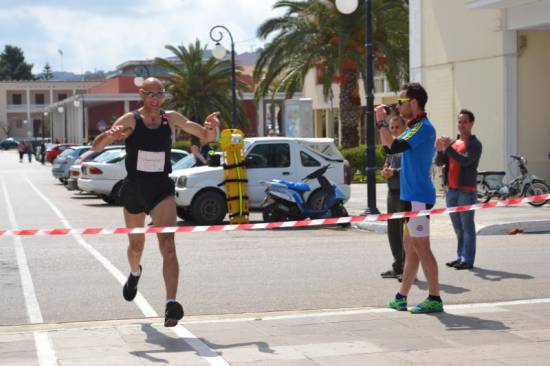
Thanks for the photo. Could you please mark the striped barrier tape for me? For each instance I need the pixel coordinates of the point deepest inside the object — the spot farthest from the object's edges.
(271, 225)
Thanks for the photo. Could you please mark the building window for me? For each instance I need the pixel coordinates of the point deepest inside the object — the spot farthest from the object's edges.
(61, 96)
(16, 99)
(39, 99)
(19, 124)
(379, 85)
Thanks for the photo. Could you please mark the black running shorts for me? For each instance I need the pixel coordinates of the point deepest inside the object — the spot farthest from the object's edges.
(143, 194)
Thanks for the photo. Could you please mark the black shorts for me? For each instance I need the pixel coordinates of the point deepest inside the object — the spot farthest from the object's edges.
(143, 194)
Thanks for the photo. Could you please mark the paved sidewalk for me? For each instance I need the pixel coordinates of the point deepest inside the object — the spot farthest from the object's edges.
(508, 333)
(494, 221)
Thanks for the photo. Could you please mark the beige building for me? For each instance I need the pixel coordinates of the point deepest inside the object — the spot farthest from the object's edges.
(325, 110)
(492, 57)
(23, 105)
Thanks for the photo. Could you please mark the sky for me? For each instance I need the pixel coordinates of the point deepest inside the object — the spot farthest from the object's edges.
(101, 34)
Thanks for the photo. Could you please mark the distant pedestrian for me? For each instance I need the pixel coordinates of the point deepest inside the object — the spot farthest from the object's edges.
(29, 151)
(460, 159)
(272, 133)
(391, 172)
(42, 152)
(21, 151)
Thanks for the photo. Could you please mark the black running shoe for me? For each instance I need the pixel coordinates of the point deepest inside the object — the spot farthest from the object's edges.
(129, 290)
(173, 313)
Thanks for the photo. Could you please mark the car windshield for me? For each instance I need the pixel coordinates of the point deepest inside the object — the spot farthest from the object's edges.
(184, 163)
(66, 153)
(110, 155)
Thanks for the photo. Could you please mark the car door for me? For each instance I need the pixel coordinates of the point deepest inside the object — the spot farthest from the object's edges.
(266, 161)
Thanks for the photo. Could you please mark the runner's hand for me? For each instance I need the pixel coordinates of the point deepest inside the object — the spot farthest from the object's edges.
(117, 132)
(212, 121)
(381, 114)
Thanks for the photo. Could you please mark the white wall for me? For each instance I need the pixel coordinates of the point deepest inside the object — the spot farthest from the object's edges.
(533, 101)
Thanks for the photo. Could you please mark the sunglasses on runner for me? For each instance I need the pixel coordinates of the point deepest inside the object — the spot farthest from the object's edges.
(402, 101)
(154, 94)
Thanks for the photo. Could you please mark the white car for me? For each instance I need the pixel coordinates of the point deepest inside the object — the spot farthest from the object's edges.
(200, 198)
(104, 175)
(74, 171)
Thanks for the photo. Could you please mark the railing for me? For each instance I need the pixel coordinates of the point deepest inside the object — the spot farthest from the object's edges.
(22, 108)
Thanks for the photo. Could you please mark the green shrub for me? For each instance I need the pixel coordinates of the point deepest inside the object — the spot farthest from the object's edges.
(357, 157)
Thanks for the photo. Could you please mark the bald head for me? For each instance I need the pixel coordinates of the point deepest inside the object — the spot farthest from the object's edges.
(152, 84)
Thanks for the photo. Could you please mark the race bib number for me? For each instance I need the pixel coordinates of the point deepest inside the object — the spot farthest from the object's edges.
(150, 161)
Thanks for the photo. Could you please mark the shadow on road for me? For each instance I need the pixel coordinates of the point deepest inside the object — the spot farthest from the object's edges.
(449, 289)
(172, 345)
(492, 275)
(459, 322)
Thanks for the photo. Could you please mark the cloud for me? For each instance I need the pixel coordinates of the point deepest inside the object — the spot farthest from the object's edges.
(93, 39)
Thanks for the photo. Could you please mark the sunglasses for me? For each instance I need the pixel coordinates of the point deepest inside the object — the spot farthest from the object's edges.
(154, 94)
(402, 101)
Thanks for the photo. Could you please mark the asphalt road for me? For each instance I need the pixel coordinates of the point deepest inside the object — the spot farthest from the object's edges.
(78, 278)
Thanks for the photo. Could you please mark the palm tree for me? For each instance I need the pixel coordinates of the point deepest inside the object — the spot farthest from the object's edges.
(199, 87)
(313, 34)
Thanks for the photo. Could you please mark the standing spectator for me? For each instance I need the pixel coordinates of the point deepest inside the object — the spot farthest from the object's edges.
(460, 159)
(391, 171)
(201, 150)
(21, 151)
(42, 152)
(417, 144)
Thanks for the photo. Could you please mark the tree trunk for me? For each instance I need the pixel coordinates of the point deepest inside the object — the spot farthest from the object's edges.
(350, 108)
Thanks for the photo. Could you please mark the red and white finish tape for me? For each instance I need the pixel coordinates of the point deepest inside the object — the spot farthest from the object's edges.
(270, 225)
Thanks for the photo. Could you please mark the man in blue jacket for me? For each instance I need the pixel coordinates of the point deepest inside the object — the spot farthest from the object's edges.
(417, 145)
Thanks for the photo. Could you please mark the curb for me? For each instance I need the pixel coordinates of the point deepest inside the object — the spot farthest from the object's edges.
(533, 226)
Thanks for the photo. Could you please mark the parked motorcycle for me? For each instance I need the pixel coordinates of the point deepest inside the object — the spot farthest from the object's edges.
(285, 199)
(490, 184)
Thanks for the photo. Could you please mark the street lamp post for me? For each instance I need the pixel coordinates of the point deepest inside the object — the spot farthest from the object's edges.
(219, 53)
(348, 7)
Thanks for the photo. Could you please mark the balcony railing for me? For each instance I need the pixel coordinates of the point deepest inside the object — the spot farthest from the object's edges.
(22, 108)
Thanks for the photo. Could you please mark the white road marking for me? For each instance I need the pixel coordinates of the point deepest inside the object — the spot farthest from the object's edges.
(44, 348)
(208, 354)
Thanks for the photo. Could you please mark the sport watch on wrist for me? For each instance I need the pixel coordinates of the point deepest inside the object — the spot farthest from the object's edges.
(381, 124)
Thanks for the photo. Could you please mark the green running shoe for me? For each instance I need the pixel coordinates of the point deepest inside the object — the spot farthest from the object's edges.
(427, 307)
(398, 304)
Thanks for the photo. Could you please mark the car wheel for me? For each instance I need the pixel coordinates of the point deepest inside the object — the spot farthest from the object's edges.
(115, 194)
(209, 208)
(184, 214)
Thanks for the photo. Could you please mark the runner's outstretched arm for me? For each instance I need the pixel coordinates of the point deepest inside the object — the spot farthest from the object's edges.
(121, 129)
(207, 133)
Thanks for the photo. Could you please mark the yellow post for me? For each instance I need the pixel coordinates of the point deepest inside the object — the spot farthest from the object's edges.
(234, 170)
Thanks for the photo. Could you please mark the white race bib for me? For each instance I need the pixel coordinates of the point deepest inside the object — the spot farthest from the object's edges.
(150, 161)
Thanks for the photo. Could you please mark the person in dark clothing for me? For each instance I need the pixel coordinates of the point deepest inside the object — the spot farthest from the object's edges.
(201, 151)
(391, 172)
(460, 159)
(147, 189)
(29, 151)
(43, 153)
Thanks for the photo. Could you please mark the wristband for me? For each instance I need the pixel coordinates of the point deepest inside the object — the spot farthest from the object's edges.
(381, 124)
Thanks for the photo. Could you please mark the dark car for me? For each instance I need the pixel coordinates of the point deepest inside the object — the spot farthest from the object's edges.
(9, 143)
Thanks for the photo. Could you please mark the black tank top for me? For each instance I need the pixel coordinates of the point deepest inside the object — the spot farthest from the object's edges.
(148, 149)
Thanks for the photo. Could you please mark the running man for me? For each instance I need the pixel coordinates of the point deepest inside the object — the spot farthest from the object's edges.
(147, 189)
(417, 144)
